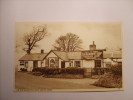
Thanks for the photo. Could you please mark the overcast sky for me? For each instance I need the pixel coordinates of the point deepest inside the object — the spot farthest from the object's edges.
(105, 34)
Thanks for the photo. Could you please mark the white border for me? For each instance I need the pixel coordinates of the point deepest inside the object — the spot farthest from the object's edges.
(12, 11)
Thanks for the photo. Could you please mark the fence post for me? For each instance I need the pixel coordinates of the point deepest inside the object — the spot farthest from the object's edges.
(91, 71)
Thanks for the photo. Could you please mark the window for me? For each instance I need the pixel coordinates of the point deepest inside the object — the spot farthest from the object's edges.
(21, 63)
(26, 64)
(97, 63)
(77, 63)
(70, 64)
(52, 63)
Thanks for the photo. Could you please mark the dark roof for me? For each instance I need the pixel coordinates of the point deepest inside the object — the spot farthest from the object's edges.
(33, 56)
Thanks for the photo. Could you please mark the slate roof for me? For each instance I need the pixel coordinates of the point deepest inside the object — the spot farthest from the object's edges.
(33, 56)
(66, 56)
(62, 55)
(74, 55)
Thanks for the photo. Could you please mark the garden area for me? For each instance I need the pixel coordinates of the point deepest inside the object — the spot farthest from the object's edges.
(27, 81)
(110, 77)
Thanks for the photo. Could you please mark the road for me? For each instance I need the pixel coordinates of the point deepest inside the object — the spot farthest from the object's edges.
(24, 80)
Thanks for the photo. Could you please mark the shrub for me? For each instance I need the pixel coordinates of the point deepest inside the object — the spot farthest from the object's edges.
(35, 69)
(55, 71)
(98, 71)
(23, 69)
(61, 72)
(111, 79)
(117, 69)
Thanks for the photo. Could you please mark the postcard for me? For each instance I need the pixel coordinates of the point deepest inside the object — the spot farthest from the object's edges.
(68, 56)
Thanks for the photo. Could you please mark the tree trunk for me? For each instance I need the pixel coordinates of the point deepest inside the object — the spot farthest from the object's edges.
(28, 51)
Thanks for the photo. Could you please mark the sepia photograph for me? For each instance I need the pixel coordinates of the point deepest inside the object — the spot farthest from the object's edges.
(68, 56)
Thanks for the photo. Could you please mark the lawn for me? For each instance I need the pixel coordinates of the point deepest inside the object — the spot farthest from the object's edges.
(24, 80)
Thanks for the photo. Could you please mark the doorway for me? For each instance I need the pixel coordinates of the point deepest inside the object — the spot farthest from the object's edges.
(35, 64)
(63, 64)
(97, 63)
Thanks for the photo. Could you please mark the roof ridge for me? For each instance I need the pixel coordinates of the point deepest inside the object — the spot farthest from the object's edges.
(36, 53)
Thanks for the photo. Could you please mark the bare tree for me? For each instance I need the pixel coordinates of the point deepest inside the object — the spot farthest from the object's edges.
(36, 35)
(69, 42)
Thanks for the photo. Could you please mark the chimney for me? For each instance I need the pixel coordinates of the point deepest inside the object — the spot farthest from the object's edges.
(93, 43)
(42, 51)
(93, 46)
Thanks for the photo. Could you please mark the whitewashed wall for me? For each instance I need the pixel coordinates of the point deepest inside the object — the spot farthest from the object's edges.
(30, 66)
(39, 63)
(60, 63)
(52, 56)
(43, 64)
(88, 63)
(67, 64)
(19, 67)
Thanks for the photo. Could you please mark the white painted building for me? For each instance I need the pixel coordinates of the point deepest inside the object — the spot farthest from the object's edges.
(92, 58)
(30, 61)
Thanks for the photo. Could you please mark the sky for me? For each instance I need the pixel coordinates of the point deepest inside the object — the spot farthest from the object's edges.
(104, 34)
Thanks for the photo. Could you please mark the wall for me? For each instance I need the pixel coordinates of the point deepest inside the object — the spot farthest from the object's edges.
(60, 63)
(39, 63)
(73, 63)
(53, 56)
(30, 66)
(88, 63)
(67, 64)
(43, 64)
(20, 66)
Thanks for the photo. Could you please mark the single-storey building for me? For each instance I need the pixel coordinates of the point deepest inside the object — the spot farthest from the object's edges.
(33, 60)
(92, 58)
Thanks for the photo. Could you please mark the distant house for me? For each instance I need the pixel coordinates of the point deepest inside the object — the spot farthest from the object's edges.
(112, 57)
(92, 58)
(33, 60)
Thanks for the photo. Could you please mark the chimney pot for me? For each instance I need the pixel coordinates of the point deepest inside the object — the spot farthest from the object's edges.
(93, 43)
(42, 51)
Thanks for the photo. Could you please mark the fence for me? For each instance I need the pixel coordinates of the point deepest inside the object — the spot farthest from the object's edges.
(90, 72)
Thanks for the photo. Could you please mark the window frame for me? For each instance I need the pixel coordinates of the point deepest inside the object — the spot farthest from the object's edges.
(21, 63)
(77, 65)
(98, 64)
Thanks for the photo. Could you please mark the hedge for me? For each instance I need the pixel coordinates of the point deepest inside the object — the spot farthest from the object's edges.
(57, 71)
(115, 69)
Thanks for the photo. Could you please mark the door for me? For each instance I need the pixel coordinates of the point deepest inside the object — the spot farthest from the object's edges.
(35, 64)
(62, 64)
(26, 64)
(97, 63)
